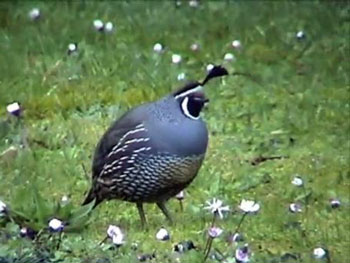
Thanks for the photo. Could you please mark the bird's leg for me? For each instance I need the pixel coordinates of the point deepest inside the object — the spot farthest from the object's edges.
(165, 211)
(142, 215)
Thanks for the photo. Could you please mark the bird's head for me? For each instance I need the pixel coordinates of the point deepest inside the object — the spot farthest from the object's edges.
(191, 97)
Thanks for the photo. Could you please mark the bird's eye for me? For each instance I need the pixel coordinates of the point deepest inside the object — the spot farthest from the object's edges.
(192, 107)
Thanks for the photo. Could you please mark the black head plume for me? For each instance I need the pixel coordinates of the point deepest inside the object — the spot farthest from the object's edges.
(216, 71)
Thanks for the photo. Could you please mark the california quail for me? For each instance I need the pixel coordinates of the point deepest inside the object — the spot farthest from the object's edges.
(154, 150)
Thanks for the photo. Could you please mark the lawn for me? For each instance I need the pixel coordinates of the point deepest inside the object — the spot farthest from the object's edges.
(282, 115)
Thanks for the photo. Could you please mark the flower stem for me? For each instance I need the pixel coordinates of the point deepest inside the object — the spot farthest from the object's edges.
(305, 200)
(213, 220)
(240, 223)
(59, 241)
(24, 133)
(103, 241)
(208, 248)
(11, 218)
(37, 237)
(181, 206)
(305, 217)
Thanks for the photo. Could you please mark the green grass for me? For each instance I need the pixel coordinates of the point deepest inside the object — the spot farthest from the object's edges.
(295, 104)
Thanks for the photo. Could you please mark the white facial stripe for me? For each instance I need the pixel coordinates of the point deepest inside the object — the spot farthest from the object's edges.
(198, 88)
(184, 106)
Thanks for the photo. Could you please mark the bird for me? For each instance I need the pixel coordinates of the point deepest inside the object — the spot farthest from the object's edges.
(154, 150)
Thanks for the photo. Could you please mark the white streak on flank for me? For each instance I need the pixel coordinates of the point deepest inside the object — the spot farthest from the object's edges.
(198, 88)
(116, 151)
(138, 128)
(107, 166)
(140, 150)
(136, 140)
(130, 141)
(184, 106)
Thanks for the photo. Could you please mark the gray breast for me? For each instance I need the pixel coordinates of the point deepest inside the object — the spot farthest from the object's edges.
(172, 131)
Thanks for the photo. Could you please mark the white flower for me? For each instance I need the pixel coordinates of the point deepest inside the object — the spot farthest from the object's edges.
(113, 230)
(300, 35)
(98, 24)
(335, 203)
(216, 207)
(297, 181)
(229, 57)
(134, 245)
(162, 234)
(108, 27)
(178, 3)
(72, 48)
(193, 3)
(34, 14)
(237, 237)
(179, 248)
(146, 257)
(65, 199)
(3, 208)
(242, 254)
(236, 44)
(176, 59)
(118, 240)
(181, 76)
(248, 206)
(180, 195)
(184, 246)
(209, 67)
(194, 47)
(23, 232)
(157, 47)
(116, 234)
(214, 231)
(14, 108)
(56, 225)
(27, 232)
(295, 208)
(319, 253)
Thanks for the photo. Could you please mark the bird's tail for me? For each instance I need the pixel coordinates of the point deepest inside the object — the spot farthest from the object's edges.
(92, 195)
